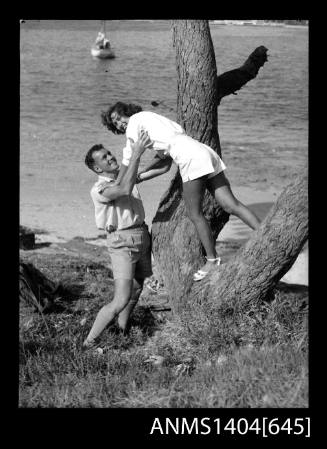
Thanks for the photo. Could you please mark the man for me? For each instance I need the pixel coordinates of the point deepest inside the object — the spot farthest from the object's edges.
(119, 211)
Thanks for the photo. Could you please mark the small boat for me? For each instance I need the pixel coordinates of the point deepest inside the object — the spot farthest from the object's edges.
(102, 53)
(101, 47)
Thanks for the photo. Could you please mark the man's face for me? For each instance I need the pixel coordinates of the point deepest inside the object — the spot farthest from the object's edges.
(104, 161)
(119, 121)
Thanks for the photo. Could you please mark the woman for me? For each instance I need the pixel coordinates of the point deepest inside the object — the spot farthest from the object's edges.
(199, 165)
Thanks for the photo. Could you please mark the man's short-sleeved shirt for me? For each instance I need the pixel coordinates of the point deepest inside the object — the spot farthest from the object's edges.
(120, 213)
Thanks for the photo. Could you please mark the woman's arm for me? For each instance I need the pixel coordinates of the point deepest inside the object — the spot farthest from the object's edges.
(154, 163)
(157, 167)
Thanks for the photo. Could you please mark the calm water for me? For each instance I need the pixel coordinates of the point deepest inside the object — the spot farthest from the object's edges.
(63, 89)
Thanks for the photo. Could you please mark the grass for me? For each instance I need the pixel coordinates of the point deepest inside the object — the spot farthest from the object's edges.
(256, 360)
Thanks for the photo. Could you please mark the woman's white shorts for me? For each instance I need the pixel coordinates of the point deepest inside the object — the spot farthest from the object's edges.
(194, 159)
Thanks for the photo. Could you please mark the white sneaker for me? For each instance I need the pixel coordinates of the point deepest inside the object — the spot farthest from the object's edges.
(201, 274)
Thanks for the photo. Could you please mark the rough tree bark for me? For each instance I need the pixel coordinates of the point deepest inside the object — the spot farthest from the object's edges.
(176, 247)
(264, 259)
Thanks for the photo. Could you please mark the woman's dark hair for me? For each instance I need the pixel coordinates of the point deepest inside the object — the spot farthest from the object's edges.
(122, 109)
(89, 161)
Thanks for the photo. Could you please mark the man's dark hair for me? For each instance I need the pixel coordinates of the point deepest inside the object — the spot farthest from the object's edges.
(89, 161)
(122, 109)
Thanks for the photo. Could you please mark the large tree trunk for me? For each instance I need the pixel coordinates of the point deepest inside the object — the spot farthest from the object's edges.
(197, 94)
(176, 247)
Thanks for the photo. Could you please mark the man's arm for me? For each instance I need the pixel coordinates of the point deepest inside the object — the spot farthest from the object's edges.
(127, 151)
(127, 182)
(122, 171)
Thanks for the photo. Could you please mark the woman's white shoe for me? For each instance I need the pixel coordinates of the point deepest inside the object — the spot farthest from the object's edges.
(201, 274)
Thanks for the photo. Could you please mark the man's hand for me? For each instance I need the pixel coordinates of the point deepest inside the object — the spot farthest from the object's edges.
(138, 179)
(142, 143)
(104, 185)
(114, 183)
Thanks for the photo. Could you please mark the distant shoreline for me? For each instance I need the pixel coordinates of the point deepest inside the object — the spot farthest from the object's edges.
(252, 23)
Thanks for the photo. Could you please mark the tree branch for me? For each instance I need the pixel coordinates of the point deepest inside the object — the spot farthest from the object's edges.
(233, 80)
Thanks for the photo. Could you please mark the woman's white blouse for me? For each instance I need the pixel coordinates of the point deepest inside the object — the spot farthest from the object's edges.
(162, 131)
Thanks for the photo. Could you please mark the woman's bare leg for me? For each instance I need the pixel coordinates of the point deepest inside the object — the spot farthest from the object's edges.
(219, 187)
(193, 194)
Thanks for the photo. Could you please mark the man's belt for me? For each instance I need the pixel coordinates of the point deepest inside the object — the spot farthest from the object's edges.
(111, 228)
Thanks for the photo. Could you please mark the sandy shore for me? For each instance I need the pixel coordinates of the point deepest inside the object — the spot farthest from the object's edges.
(260, 202)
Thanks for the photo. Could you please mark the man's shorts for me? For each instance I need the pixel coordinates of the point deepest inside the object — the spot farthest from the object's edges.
(130, 253)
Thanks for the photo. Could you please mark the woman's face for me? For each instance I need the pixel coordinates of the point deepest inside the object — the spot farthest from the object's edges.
(119, 121)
